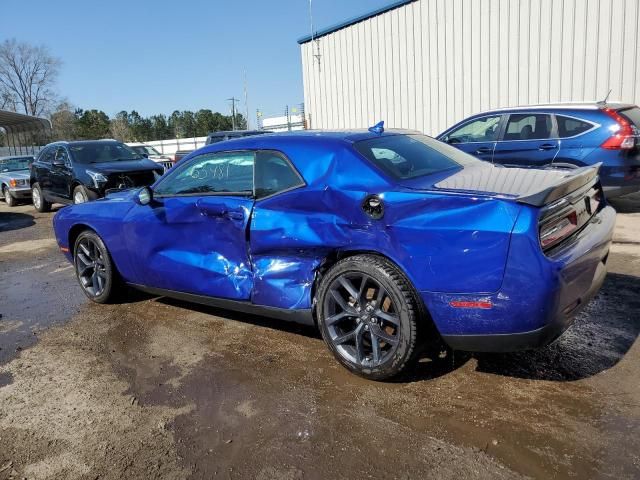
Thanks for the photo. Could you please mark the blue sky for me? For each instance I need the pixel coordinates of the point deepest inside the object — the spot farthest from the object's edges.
(160, 56)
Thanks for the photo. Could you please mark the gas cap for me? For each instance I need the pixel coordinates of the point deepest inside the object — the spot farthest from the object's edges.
(373, 206)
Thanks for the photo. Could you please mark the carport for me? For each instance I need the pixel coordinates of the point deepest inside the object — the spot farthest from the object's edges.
(24, 132)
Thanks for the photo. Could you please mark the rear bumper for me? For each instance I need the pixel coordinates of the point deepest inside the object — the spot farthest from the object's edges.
(539, 297)
(512, 342)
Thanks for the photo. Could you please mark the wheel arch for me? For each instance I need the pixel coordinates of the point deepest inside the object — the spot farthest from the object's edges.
(335, 256)
(74, 233)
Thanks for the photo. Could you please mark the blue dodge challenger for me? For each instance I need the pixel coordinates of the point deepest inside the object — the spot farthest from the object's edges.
(386, 240)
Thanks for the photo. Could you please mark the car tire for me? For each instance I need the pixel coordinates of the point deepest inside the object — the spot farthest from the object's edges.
(38, 200)
(95, 270)
(369, 315)
(8, 198)
(82, 195)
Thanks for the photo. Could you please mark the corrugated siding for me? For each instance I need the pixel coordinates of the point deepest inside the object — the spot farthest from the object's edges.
(429, 64)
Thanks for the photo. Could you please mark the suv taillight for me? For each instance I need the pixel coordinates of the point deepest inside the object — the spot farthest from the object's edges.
(624, 137)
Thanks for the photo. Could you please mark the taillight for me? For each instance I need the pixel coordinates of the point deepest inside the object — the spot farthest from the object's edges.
(557, 230)
(624, 135)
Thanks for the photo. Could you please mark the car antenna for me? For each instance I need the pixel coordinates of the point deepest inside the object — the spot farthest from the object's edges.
(604, 102)
(378, 127)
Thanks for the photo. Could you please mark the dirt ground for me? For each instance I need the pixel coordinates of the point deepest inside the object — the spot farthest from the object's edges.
(156, 388)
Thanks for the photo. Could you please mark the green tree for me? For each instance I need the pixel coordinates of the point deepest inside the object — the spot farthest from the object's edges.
(92, 124)
(64, 122)
(160, 127)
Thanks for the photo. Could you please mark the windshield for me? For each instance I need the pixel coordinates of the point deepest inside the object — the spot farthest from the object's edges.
(14, 164)
(410, 156)
(99, 152)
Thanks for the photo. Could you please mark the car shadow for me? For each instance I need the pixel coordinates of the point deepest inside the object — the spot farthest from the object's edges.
(600, 337)
(15, 221)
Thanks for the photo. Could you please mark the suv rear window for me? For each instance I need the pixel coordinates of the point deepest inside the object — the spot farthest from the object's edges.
(570, 127)
(632, 114)
(411, 156)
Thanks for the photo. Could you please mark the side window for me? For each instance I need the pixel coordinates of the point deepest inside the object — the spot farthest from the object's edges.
(230, 172)
(483, 129)
(46, 156)
(274, 174)
(570, 127)
(528, 126)
(62, 156)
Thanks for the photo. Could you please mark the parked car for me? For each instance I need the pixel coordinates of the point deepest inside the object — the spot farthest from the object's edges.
(151, 153)
(383, 239)
(76, 172)
(558, 136)
(215, 137)
(14, 178)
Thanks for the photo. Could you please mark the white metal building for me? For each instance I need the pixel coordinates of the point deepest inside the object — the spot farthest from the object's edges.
(426, 64)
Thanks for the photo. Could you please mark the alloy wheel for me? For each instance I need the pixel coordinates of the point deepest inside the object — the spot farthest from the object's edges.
(78, 197)
(362, 320)
(91, 268)
(35, 194)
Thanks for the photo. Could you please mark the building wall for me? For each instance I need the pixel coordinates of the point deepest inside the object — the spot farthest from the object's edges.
(430, 63)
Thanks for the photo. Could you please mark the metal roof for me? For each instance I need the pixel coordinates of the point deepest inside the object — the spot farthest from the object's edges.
(12, 121)
(353, 20)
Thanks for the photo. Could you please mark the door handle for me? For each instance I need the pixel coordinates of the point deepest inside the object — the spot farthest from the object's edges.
(235, 214)
(547, 146)
(484, 150)
(219, 210)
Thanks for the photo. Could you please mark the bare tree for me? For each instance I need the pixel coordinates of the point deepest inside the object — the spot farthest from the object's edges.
(27, 76)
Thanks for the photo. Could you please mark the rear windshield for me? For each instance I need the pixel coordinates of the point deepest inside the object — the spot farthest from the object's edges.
(410, 156)
(100, 152)
(633, 114)
(14, 164)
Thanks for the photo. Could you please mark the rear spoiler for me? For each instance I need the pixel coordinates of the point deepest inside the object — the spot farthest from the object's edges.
(578, 178)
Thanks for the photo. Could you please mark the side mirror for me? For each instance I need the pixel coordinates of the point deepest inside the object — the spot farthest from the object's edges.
(145, 155)
(56, 162)
(144, 196)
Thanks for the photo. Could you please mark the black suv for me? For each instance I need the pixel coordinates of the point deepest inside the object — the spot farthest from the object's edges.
(76, 172)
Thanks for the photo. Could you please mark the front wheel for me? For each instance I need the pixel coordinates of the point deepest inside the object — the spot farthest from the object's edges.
(95, 270)
(8, 198)
(38, 200)
(81, 195)
(368, 314)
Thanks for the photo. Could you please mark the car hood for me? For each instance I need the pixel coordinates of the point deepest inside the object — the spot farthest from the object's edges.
(17, 174)
(123, 166)
(492, 180)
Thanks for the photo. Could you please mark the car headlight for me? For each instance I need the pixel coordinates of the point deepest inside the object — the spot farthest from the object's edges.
(97, 177)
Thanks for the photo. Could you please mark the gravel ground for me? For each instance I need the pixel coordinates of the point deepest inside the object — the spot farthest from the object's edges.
(156, 388)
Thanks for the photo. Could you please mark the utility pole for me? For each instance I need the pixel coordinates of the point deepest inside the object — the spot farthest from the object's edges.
(246, 101)
(233, 101)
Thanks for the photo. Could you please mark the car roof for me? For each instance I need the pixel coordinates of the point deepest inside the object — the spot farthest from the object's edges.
(561, 106)
(349, 135)
(82, 142)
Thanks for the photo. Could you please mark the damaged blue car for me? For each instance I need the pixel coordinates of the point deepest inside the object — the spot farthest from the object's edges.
(388, 241)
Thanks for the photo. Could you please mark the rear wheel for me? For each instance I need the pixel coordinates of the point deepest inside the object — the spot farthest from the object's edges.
(8, 198)
(95, 270)
(368, 314)
(37, 197)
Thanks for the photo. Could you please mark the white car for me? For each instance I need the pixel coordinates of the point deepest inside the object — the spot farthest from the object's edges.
(14, 178)
(152, 154)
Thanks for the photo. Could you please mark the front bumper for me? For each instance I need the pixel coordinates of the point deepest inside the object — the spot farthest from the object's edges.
(539, 297)
(20, 192)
